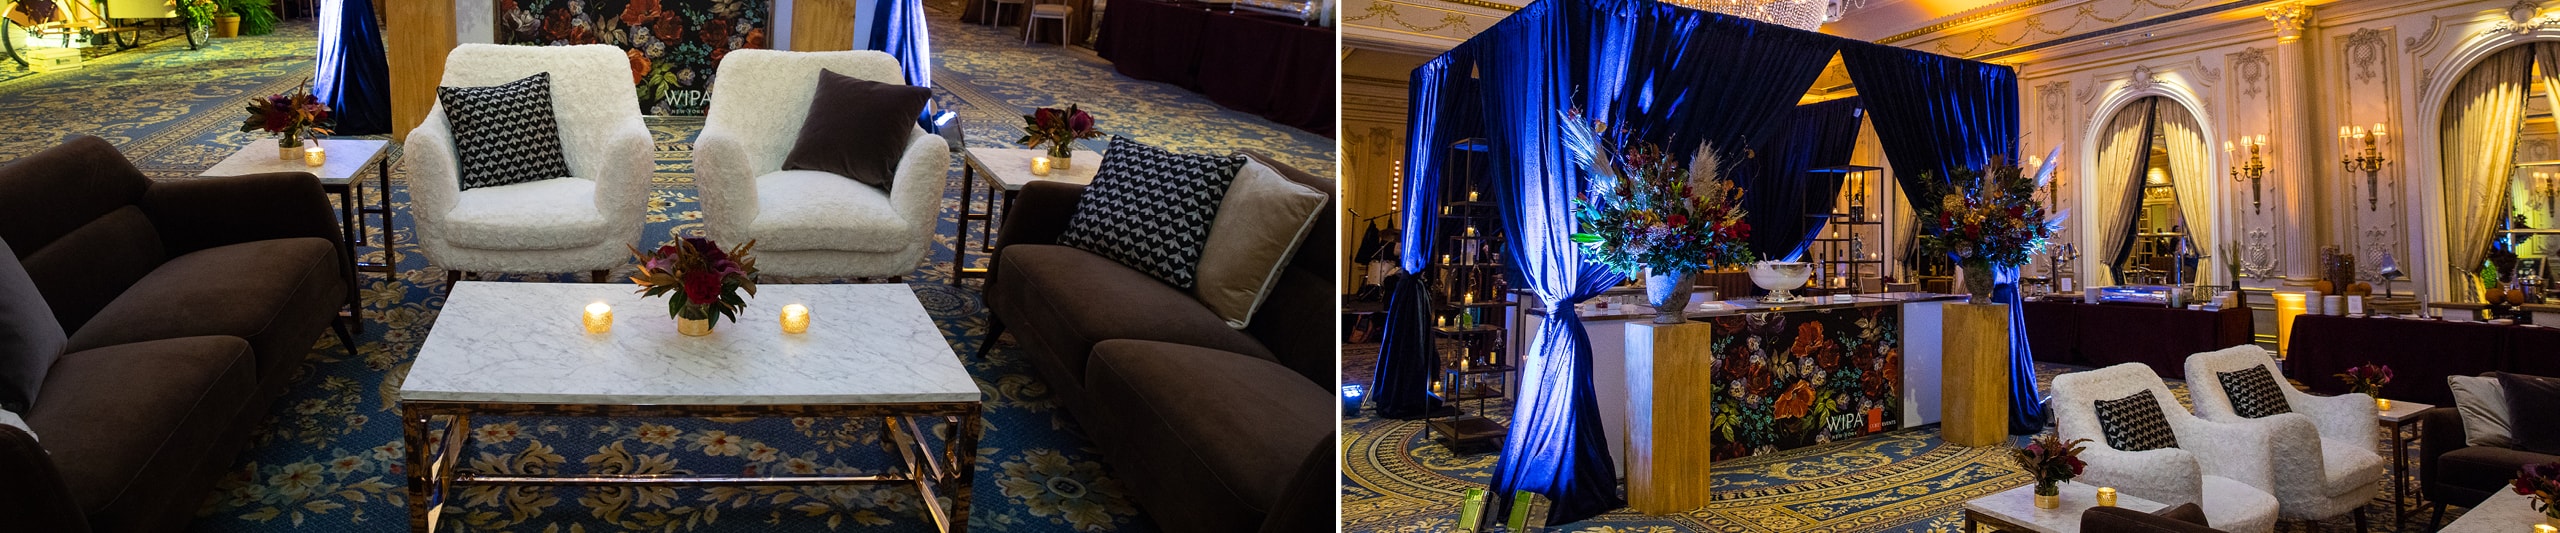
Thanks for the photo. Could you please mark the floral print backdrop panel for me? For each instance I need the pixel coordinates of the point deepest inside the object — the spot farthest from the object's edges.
(674, 45)
(1797, 379)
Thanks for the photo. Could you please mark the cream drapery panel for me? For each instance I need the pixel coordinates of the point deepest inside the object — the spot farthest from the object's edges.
(2122, 154)
(2479, 142)
(2190, 178)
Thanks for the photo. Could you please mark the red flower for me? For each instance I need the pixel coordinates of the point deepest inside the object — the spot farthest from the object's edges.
(668, 28)
(702, 287)
(639, 12)
(1679, 221)
(1081, 124)
(639, 69)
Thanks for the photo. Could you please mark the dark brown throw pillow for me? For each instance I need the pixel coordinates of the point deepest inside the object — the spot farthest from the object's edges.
(857, 128)
(2529, 399)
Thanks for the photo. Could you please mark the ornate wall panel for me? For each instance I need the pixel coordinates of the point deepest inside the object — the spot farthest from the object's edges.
(2368, 213)
(2259, 231)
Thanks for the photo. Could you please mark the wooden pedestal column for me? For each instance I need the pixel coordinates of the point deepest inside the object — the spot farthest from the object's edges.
(1669, 392)
(1974, 379)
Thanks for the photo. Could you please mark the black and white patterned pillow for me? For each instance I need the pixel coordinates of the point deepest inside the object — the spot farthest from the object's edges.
(504, 134)
(1151, 209)
(2134, 423)
(2253, 392)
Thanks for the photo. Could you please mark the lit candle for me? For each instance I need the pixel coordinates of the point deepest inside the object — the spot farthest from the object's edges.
(2382, 404)
(2106, 496)
(1040, 165)
(1471, 196)
(2545, 528)
(599, 317)
(795, 318)
(314, 156)
(1466, 365)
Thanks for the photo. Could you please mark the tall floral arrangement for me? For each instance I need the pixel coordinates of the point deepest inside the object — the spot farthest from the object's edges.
(2050, 461)
(1645, 210)
(294, 115)
(705, 280)
(2542, 483)
(1058, 128)
(1986, 219)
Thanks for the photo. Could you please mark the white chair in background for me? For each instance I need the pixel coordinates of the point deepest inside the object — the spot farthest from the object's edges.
(584, 221)
(2325, 461)
(2223, 467)
(808, 223)
(1047, 11)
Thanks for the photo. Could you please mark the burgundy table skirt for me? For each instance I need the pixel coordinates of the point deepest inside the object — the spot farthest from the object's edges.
(2104, 335)
(2420, 353)
(1261, 64)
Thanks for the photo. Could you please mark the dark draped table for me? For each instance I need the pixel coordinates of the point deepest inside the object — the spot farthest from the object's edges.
(2100, 335)
(1262, 64)
(2420, 353)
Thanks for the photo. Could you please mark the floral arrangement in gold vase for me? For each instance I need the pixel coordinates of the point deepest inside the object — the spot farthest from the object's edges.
(705, 281)
(2051, 462)
(294, 116)
(1058, 128)
(1986, 220)
(2542, 483)
(2368, 380)
(1647, 214)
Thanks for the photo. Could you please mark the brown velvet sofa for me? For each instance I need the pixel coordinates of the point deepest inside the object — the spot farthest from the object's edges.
(1212, 429)
(2451, 471)
(189, 306)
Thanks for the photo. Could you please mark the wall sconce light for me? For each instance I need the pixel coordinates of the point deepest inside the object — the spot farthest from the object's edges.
(2254, 169)
(2367, 160)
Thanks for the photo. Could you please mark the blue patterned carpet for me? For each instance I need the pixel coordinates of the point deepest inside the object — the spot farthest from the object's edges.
(327, 459)
(1396, 480)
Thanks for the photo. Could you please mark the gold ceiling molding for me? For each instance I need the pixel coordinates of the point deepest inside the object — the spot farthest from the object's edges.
(1483, 4)
(1964, 19)
(2085, 13)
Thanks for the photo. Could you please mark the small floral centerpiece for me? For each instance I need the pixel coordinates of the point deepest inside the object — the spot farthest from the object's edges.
(2051, 461)
(2542, 483)
(295, 115)
(2368, 380)
(1987, 220)
(706, 281)
(1058, 128)
(1646, 214)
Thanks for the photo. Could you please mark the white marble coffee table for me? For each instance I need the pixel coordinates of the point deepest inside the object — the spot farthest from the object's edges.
(2504, 512)
(2015, 509)
(520, 349)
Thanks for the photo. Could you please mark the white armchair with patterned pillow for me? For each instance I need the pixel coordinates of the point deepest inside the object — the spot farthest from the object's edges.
(583, 221)
(809, 223)
(2326, 464)
(2221, 466)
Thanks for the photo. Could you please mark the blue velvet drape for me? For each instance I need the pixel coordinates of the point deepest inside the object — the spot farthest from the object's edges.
(1779, 188)
(899, 29)
(1935, 114)
(354, 78)
(1400, 387)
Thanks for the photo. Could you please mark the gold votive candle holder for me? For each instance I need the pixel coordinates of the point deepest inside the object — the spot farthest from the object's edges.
(2106, 496)
(599, 318)
(2545, 528)
(1040, 165)
(2382, 404)
(315, 156)
(795, 318)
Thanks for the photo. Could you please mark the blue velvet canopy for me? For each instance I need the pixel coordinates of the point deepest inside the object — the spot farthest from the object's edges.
(1674, 77)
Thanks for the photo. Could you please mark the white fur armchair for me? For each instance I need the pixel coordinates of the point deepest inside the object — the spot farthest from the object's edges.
(2326, 464)
(580, 222)
(2220, 466)
(810, 223)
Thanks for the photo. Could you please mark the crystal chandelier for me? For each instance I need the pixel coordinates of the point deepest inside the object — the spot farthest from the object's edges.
(1807, 15)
